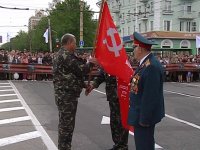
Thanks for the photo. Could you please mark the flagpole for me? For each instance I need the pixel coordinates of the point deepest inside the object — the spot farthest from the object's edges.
(95, 41)
(50, 37)
(98, 25)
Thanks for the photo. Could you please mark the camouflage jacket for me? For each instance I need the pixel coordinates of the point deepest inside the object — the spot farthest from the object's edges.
(68, 73)
(111, 85)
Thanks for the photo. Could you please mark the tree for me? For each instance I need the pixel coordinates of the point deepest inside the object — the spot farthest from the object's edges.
(20, 42)
(65, 18)
(36, 36)
(6, 46)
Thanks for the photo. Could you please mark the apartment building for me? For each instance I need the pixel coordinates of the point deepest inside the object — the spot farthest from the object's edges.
(34, 20)
(148, 16)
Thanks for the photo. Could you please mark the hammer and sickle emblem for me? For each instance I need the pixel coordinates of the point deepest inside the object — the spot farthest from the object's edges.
(115, 48)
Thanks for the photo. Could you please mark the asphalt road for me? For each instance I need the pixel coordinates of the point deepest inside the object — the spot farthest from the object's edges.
(29, 118)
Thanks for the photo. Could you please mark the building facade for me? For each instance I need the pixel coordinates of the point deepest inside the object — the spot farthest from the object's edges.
(170, 42)
(34, 20)
(155, 15)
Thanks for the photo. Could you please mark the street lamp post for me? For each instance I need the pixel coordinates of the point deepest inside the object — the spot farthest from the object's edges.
(81, 20)
(50, 37)
(49, 30)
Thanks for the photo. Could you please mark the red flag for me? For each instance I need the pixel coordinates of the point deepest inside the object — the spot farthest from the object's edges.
(109, 48)
(123, 94)
(112, 56)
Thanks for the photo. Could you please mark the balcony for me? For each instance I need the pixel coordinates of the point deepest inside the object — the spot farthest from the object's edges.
(122, 21)
(143, 17)
(151, 13)
(144, 1)
(188, 15)
(115, 10)
(167, 12)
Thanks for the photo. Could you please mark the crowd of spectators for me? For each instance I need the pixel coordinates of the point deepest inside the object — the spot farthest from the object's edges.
(26, 57)
(181, 59)
(174, 59)
(45, 58)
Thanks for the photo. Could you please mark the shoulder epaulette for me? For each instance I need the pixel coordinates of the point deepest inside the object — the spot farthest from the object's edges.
(147, 63)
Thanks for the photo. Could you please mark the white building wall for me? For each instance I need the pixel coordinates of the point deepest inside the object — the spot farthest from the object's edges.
(121, 8)
(157, 15)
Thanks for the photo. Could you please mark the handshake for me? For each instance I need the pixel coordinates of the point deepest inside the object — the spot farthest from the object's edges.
(93, 60)
(88, 89)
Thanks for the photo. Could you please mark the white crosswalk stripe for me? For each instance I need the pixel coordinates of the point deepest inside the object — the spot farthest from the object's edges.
(9, 101)
(4, 86)
(11, 109)
(19, 138)
(12, 120)
(4, 95)
(6, 99)
(6, 90)
(4, 83)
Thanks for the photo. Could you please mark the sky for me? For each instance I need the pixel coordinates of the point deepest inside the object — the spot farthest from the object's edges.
(12, 21)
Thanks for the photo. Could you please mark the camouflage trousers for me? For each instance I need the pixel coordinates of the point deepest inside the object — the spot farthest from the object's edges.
(67, 107)
(119, 134)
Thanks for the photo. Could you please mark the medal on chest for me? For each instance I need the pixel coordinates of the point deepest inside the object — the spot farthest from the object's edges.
(134, 84)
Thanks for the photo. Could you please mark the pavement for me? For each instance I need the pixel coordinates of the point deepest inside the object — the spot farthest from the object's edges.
(29, 118)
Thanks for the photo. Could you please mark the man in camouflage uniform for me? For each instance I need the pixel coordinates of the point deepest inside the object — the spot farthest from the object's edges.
(68, 75)
(119, 134)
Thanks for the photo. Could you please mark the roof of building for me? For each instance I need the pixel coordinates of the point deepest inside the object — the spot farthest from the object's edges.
(171, 49)
(170, 35)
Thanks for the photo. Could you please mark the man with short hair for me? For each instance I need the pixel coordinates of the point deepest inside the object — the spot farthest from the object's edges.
(146, 98)
(68, 79)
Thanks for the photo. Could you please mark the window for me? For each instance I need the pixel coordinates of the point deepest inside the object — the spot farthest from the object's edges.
(189, 9)
(182, 26)
(194, 29)
(167, 44)
(122, 19)
(145, 25)
(129, 32)
(167, 25)
(151, 25)
(168, 5)
(188, 26)
(139, 9)
(122, 16)
(194, 26)
(185, 44)
(139, 27)
(151, 6)
(122, 32)
(112, 3)
(129, 16)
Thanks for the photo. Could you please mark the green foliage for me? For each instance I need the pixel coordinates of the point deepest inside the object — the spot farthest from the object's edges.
(20, 42)
(37, 40)
(6, 46)
(65, 18)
